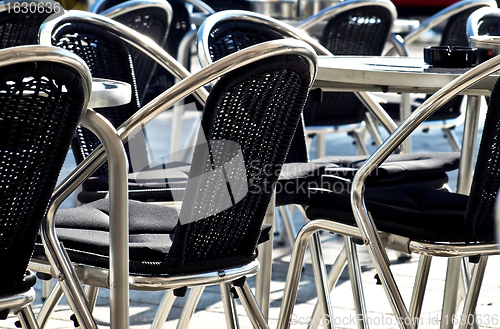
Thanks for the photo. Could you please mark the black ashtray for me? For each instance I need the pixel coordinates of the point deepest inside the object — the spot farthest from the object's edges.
(450, 56)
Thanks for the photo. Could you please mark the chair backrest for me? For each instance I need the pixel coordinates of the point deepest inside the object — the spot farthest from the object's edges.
(151, 18)
(257, 108)
(455, 34)
(353, 27)
(228, 31)
(480, 212)
(43, 93)
(20, 27)
(107, 57)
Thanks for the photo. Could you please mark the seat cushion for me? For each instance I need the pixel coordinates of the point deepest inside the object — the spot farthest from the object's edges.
(417, 212)
(84, 231)
(161, 182)
(157, 183)
(422, 169)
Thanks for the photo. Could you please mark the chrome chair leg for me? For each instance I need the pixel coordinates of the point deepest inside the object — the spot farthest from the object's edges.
(27, 318)
(322, 287)
(190, 306)
(450, 293)
(91, 293)
(163, 310)
(333, 278)
(465, 275)
(473, 294)
(417, 297)
(229, 307)
(356, 283)
(452, 138)
(263, 277)
(250, 305)
(49, 305)
(46, 288)
(291, 232)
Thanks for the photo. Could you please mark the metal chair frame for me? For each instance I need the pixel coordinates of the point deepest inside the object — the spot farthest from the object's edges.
(287, 31)
(376, 241)
(60, 266)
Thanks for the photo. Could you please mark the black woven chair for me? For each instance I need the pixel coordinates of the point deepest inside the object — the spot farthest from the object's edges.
(454, 34)
(98, 41)
(173, 255)
(414, 219)
(44, 91)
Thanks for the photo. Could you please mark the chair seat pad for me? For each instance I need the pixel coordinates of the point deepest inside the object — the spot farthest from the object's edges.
(417, 212)
(152, 184)
(422, 169)
(84, 231)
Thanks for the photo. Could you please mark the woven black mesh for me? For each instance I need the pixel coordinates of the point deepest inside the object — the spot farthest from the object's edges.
(40, 107)
(152, 23)
(361, 31)
(479, 216)
(230, 36)
(107, 57)
(257, 107)
(17, 29)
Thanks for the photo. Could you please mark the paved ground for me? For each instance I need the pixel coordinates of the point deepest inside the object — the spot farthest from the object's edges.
(209, 313)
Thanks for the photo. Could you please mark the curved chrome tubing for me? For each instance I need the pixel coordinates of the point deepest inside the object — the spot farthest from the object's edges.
(298, 33)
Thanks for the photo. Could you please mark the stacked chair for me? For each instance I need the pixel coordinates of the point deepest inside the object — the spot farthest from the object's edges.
(44, 93)
(185, 251)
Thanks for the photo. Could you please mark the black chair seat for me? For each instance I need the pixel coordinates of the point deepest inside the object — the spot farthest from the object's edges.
(84, 231)
(401, 169)
(416, 212)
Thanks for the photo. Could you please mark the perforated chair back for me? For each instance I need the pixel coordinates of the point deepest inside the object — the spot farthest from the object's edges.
(231, 35)
(358, 31)
(480, 212)
(151, 18)
(18, 28)
(179, 25)
(257, 108)
(454, 34)
(41, 102)
(107, 57)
